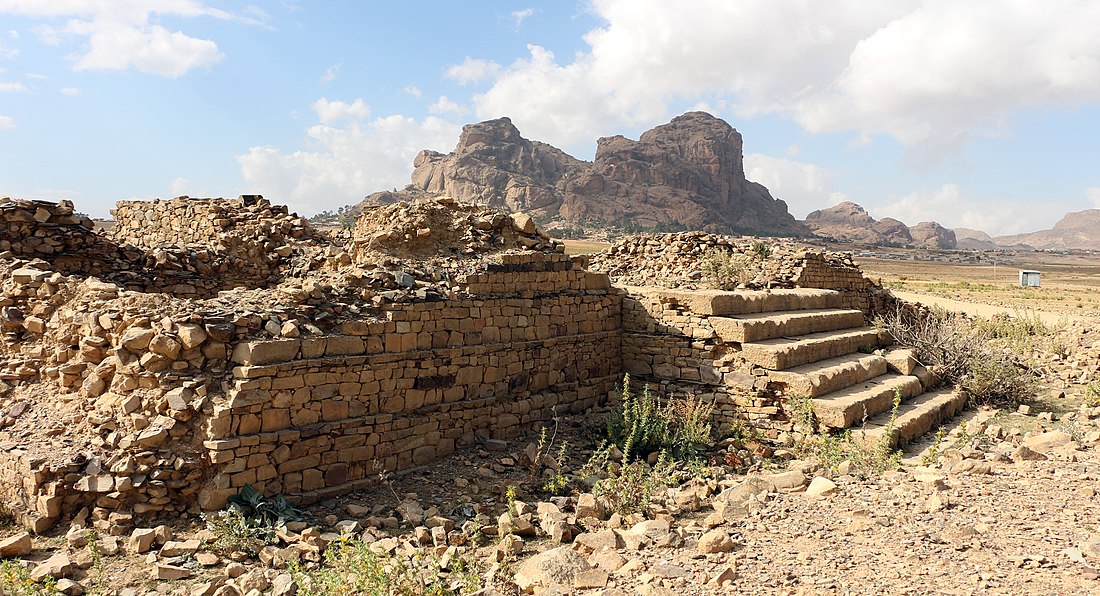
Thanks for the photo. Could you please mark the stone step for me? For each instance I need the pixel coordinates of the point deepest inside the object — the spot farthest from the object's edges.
(742, 302)
(785, 353)
(770, 325)
(848, 406)
(819, 378)
(915, 417)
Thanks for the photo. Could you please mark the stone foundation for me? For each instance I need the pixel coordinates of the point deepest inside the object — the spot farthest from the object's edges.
(322, 373)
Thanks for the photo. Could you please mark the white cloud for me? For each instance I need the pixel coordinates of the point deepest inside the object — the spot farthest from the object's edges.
(446, 106)
(70, 91)
(931, 73)
(344, 164)
(330, 74)
(7, 52)
(519, 16)
(567, 106)
(152, 49)
(803, 186)
(332, 112)
(6, 122)
(473, 70)
(124, 35)
(179, 187)
(12, 86)
(412, 90)
(953, 208)
(1093, 193)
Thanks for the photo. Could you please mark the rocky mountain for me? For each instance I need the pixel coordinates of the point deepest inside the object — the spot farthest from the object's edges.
(968, 239)
(688, 173)
(1077, 230)
(929, 234)
(848, 222)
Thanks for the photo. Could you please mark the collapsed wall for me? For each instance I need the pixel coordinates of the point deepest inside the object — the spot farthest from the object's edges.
(150, 403)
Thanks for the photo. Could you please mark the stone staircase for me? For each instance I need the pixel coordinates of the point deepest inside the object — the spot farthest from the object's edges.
(810, 346)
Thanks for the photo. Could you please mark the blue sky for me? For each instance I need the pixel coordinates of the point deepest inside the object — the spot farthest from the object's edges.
(968, 112)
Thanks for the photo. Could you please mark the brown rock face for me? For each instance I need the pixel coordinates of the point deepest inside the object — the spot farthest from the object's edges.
(848, 222)
(687, 173)
(929, 234)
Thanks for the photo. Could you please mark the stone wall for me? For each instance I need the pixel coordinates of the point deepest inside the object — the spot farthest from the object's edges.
(53, 232)
(187, 409)
(314, 416)
(241, 241)
(679, 352)
(161, 403)
(817, 271)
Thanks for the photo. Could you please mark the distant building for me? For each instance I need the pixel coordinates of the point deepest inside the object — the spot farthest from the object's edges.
(1029, 278)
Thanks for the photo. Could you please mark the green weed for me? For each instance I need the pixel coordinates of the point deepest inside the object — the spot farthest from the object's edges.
(351, 567)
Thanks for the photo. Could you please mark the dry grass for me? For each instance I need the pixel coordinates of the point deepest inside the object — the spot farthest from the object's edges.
(584, 247)
(1069, 282)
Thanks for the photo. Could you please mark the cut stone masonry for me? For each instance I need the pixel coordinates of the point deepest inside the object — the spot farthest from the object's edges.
(154, 388)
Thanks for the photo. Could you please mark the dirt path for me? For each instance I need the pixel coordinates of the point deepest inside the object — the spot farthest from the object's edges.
(983, 310)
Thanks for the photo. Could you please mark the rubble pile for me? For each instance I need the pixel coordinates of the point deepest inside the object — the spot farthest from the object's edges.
(444, 227)
(243, 241)
(43, 229)
(675, 260)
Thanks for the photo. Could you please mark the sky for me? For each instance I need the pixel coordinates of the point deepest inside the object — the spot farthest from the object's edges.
(971, 113)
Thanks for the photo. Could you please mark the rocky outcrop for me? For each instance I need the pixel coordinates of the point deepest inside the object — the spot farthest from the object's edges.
(968, 239)
(929, 234)
(1078, 230)
(848, 222)
(688, 173)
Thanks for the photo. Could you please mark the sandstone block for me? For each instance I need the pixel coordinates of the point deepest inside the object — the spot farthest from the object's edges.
(266, 352)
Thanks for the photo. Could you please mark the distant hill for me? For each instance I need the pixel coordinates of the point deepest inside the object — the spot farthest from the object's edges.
(1078, 230)
(687, 174)
(848, 222)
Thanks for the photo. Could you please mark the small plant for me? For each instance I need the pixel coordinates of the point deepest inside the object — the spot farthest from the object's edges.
(237, 534)
(384, 479)
(639, 426)
(932, 454)
(15, 580)
(557, 484)
(250, 521)
(642, 425)
(351, 567)
(725, 270)
(629, 487)
(760, 251)
(271, 512)
(1092, 395)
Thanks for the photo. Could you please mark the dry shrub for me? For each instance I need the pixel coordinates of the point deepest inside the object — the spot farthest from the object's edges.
(988, 358)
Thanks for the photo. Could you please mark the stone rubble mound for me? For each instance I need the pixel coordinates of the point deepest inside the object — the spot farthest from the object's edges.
(63, 230)
(444, 227)
(675, 260)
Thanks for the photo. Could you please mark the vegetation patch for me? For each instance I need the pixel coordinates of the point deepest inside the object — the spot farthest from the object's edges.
(990, 359)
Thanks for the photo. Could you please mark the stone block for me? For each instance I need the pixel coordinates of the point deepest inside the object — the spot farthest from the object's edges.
(266, 352)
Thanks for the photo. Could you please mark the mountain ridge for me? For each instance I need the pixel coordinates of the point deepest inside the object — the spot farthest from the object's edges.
(685, 174)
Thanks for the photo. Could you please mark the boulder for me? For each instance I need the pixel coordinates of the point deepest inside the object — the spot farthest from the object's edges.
(555, 568)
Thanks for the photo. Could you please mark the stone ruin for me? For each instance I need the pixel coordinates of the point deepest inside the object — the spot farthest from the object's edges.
(203, 345)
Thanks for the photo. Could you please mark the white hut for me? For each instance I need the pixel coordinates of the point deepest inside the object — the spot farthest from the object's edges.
(1029, 278)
